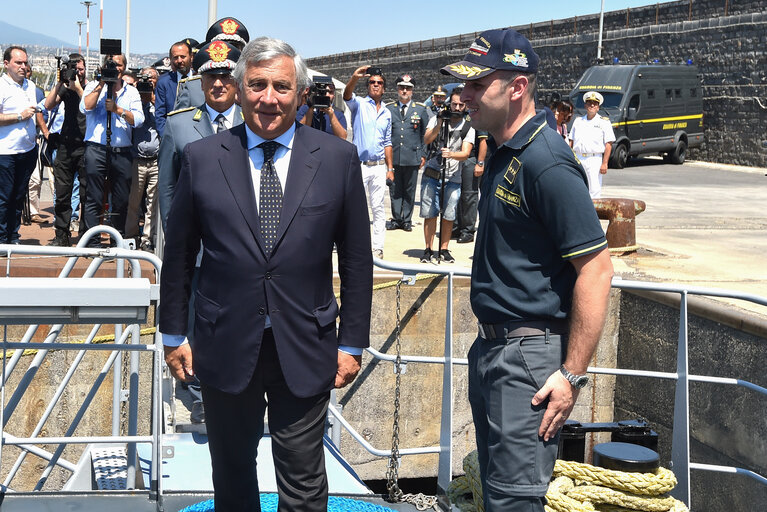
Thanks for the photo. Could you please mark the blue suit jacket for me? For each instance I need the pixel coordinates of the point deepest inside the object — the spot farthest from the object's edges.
(323, 204)
(164, 98)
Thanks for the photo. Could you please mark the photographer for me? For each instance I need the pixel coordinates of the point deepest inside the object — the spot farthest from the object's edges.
(318, 111)
(18, 147)
(146, 144)
(105, 101)
(70, 148)
(456, 147)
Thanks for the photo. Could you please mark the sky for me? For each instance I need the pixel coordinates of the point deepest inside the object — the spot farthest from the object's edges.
(313, 28)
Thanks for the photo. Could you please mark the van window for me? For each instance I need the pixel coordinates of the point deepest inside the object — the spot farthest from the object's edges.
(668, 94)
(651, 93)
(678, 93)
(693, 92)
(634, 102)
(612, 100)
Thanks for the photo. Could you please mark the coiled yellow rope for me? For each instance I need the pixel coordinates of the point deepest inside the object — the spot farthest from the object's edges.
(579, 487)
(650, 484)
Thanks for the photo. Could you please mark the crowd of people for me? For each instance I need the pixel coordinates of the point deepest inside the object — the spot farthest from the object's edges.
(258, 194)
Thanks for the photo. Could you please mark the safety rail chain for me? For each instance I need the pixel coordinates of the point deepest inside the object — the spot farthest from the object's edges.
(86, 300)
(680, 452)
(680, 439)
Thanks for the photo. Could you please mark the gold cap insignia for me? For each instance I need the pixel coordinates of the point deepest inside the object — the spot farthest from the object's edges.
(218, 51)
(229, 26)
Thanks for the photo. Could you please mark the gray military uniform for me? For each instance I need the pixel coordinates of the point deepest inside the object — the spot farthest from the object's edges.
(189, 93)
(182, 127)
(407, 147)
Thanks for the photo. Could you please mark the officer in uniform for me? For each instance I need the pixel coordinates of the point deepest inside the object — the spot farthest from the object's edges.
(437, 100)
(215, 61)
(232, 31)
(408, 125)
(592, 137)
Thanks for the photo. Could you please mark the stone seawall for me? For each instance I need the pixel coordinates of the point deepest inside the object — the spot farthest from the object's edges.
(726, 40)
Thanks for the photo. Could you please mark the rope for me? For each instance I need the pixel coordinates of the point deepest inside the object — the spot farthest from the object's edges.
(579, 487)
(651, 484)
(269, 504)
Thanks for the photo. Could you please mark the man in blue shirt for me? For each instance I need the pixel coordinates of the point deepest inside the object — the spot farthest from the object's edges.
(540, 276)
(326, 119)
(126, 113)
(371, 125)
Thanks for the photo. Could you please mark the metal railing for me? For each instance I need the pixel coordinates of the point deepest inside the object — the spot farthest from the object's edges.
(85, 300)
(680, 452)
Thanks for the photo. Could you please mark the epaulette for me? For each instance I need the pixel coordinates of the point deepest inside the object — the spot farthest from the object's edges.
(188, 78)
(187, 109)
(606, 118)
(389, 104)
(420, 104)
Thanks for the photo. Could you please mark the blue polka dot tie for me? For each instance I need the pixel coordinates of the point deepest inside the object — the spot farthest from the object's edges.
(270, 197)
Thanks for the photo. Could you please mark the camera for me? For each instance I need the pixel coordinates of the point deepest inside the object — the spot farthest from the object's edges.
(445, 112)
(67, 69)
(318, 97)
(144, 83)
(109, 72)
(374, 70)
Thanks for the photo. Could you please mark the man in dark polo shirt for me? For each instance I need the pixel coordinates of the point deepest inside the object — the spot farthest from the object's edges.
(540, 277)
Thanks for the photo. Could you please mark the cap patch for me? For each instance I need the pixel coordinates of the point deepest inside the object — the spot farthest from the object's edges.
(218, 51)
(229, 26)
(479, 50)
(517, 58)
(467, 71)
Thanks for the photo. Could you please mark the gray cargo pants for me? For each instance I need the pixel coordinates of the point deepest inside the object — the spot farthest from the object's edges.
(515, 463)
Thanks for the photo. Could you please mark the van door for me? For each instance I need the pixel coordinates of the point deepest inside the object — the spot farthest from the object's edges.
(633, 125)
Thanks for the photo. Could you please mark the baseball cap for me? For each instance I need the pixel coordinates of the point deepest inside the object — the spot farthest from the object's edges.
(406, 80)
(216, 57)
(504, 49)
(593, 96)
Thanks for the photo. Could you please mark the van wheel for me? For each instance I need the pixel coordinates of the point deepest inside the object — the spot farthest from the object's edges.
(679, 154)
(620, 156)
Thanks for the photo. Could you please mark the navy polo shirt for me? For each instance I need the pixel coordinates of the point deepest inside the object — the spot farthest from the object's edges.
(535, 214)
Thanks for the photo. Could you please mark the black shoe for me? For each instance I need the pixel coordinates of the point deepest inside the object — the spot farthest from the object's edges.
(61, 240)
(454, 235)
(407, 227)
(427, 255)
(197, 415)
(391, 225)
(445, 256)
(466, 238)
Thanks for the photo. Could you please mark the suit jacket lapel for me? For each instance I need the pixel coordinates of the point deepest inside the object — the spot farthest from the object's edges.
(303, 167)
(235, 166)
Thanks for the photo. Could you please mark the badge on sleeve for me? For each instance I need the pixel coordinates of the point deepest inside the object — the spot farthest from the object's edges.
(511, 171)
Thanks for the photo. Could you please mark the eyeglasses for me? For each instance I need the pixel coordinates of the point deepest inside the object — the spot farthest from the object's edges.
(405, 87)
(375, 82)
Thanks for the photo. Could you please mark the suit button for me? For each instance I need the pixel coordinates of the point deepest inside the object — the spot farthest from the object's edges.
(268, 275)
(261, 311)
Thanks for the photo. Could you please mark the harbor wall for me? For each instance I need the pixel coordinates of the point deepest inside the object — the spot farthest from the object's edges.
(726, 40)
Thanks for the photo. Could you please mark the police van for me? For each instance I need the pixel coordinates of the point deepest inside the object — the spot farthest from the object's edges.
(653, 108)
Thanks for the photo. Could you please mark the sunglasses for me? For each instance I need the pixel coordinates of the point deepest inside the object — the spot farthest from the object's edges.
(375, 82)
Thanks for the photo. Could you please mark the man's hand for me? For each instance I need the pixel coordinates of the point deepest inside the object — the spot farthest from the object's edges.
(348, 368)
(562, 396)
(603, 168)
(360, 72)
(179, 360)
(389, 177)
(445, 153)
(27, 113)
(478, 170)
(110, 105)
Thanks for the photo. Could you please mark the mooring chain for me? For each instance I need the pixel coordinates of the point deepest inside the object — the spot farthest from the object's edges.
(420, 500)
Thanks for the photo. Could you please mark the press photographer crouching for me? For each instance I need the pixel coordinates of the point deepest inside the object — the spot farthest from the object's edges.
(69, 143)
(112, 110)
(318, 111)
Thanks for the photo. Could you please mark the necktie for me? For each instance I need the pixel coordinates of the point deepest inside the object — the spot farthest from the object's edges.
(270, 197)
(404, 107)
(220, 123)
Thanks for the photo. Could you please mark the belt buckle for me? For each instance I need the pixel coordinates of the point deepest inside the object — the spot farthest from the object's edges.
(486, 331)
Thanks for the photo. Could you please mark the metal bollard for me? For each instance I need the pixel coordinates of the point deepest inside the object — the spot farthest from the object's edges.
(621, 215)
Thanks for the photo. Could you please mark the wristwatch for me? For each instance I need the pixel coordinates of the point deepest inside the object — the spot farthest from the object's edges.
(481, 164)
(123, 114)
(19, 118)
(577, 381)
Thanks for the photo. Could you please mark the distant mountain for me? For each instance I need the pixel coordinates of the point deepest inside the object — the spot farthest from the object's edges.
(15, 35)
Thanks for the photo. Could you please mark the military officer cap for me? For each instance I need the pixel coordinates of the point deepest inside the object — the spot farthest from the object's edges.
(228, 29)
(193, 44)
(406, 80)
(497, 49)
(218, 57)
(593, 96)
(439, 91)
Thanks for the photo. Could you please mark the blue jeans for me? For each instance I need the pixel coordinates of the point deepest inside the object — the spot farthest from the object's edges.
(15, 171)
(515, 463)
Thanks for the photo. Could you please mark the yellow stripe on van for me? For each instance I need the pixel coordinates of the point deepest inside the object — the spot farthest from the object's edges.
(658, 120)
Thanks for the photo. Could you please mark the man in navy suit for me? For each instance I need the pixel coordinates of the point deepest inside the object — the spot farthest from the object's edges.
(180, 54)
(268, 200)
